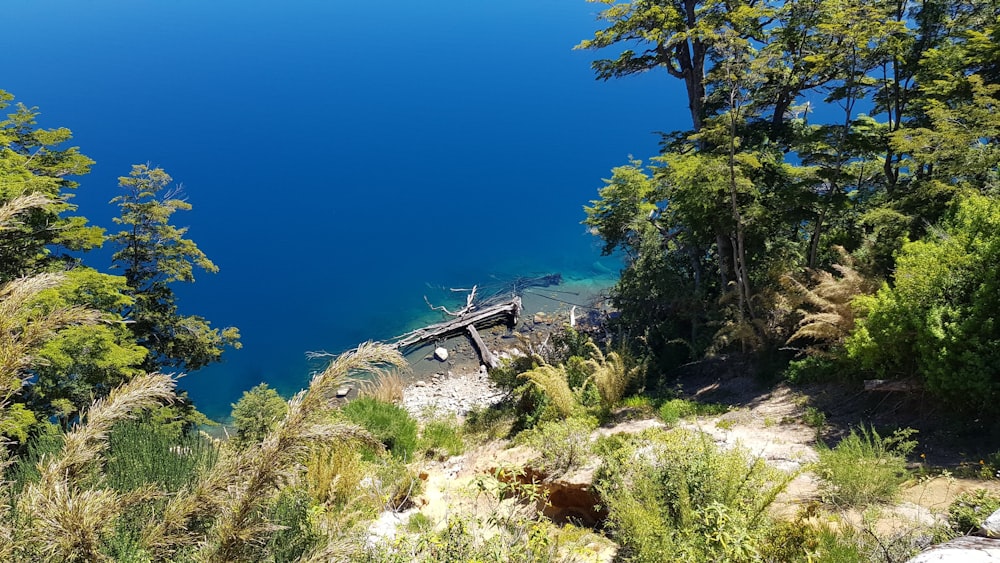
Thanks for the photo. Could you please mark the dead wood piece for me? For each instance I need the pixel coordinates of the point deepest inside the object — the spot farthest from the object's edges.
(485, 355)
(505, 311)
(889, 385)
(468, 304)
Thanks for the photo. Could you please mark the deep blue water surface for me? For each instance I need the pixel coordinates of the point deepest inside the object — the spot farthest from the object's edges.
(340, 156)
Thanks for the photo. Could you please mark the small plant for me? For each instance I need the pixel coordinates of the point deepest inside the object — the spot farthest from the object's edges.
(814, 418)
(967, 513)
(676, 409)
(725, 424)
(565, 444)
(419, 523)
(489, 423)
(865, 468)
(442, 438)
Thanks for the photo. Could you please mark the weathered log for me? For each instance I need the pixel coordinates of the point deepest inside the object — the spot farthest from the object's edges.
(508, 311)
(888, 385)
(485, 355)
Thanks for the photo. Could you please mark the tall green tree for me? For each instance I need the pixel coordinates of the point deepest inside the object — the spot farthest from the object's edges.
(153, 255)
(34, 162)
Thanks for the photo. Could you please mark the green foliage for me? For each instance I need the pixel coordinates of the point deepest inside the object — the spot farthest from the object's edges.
(34, 162)
(812, 369)
(619, 217)
(564, 444)
(865, 468)
(675, 492)
(442, 437)
(967, 513)
(296, 534)
(154, 254)
(140, 454)
(256, 414)
(937, 320)
(390, 424)
(83, 362)
(814, 418)
(675, 409)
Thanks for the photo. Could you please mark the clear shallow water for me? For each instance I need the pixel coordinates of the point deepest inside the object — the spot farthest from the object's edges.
(343, 158)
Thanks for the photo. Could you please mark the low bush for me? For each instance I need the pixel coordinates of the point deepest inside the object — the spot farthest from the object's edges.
(967, 512)
(391, 425)
(673, 492)
(565, 445)
(676, 409)
(865, 468)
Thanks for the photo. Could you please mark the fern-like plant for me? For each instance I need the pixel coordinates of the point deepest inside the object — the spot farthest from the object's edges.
(827, 313)
(552, 381)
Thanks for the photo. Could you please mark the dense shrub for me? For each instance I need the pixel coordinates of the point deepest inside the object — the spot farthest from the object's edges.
(564, 444)
(939, 318)
(673, 492)
(390, 424)
(865, 468)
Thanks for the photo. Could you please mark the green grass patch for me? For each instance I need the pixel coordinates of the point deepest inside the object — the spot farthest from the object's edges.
(442, 438)
(391, 425)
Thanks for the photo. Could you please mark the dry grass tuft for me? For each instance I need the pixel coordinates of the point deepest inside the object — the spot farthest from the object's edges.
(387, 388)
(66, 517)
(232, 494)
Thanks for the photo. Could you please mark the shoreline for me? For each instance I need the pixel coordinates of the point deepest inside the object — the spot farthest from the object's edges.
(460, 383)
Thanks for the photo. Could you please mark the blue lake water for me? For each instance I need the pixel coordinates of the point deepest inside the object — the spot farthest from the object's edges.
(344, 159)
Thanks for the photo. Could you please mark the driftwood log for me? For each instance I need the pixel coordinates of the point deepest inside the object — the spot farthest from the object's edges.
(487, 316)
(891, 385)
(485, 355)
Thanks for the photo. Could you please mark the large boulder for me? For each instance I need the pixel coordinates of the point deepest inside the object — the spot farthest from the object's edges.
(966, 549)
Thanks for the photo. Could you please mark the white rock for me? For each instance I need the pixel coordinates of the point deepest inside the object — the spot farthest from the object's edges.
(966, 549)
(441, 353)
(991, 526)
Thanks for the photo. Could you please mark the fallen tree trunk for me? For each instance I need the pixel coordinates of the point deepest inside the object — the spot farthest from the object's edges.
(508, 312)
(485, 355)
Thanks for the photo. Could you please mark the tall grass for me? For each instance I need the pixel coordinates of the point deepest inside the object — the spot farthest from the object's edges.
(865, 468)
(141, 454)
(389, 424)
(229, 501)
